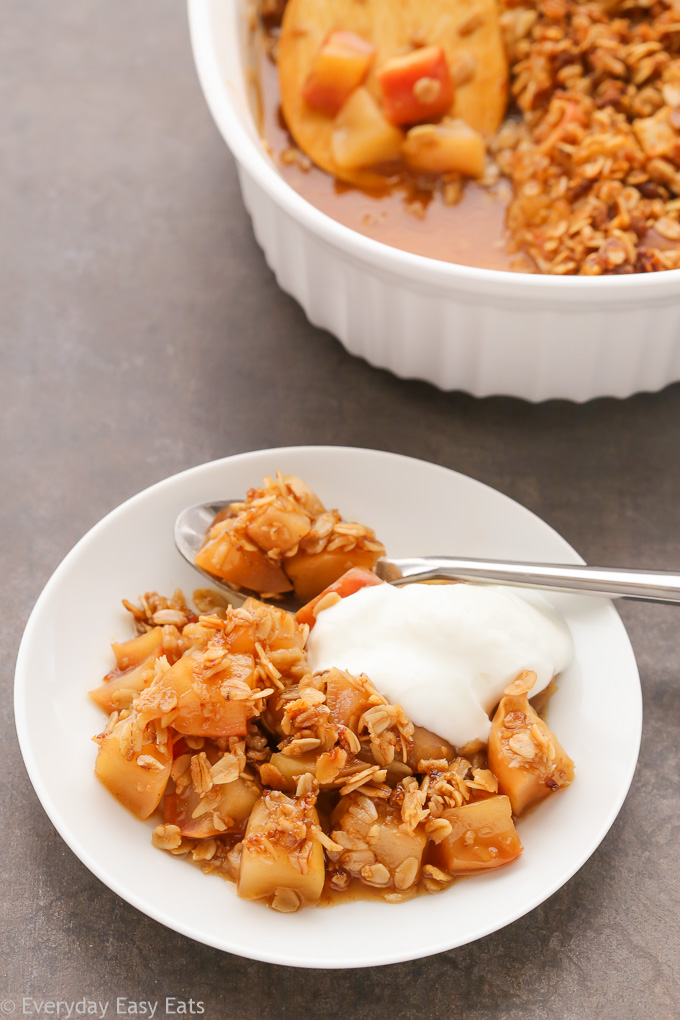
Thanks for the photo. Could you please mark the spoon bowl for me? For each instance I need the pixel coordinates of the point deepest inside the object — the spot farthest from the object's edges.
(191, 528)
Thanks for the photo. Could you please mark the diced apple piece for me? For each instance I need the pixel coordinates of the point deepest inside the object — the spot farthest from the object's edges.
(340, 67)
(230, 720)
(361, 134)
(524, 755)
(207, 713)
(483, 836)
(427, 746)
(274, 865)
(137, 649)
(137, 782)
(304, 495)
(291, 768)
(451, 146)
(416, 86)
(200, 708)
(226, 557)
(393, 847)
(396, 771)
(346, 698)
(390, 857)
(236, 801)
(177, 811)
(278, 527)
(241, 638)
(311, 573)
(539, 702)
(350, 582)
(119, 692)
(284, 633)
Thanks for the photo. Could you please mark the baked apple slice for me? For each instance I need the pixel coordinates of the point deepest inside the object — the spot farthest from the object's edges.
(373, 846)
(120, 691)
(524, 755)
(136, 778)
(450, 147)
(467, 66)
(137, 649)
(227, 811)
(482, 836)
(281, 860)
(341, 65)
(194, 701)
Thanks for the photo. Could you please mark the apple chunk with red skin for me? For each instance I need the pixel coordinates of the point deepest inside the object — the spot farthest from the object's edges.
(350, 582)
(311, 573)
(340, 67)
(416, 87)
(201, 708)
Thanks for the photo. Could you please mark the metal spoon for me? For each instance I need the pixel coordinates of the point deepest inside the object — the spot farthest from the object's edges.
(611, 582)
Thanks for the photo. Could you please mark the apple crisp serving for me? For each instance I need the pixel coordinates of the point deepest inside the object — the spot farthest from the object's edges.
(304, 787)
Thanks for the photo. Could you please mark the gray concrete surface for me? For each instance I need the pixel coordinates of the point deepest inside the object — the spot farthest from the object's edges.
(142, 333)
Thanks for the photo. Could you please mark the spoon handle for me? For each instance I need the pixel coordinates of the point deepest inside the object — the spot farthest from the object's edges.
(611, 582)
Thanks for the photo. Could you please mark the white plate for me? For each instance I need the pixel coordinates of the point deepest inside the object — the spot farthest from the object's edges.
(415, 507)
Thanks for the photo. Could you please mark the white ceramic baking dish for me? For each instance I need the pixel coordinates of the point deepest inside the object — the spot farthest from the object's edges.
(479, 330)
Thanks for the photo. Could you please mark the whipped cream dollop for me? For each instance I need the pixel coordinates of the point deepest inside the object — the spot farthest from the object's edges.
(444, 652)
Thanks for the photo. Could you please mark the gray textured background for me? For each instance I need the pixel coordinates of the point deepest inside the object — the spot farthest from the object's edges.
(142, 333)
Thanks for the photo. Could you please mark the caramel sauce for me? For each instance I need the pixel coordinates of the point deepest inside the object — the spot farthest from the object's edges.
(405, 215)
(357, 891)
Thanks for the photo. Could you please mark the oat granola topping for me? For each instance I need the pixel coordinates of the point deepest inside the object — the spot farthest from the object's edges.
(166, 837)
(594, 155)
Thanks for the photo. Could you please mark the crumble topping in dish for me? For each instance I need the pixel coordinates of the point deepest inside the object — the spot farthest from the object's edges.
(595, 158)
